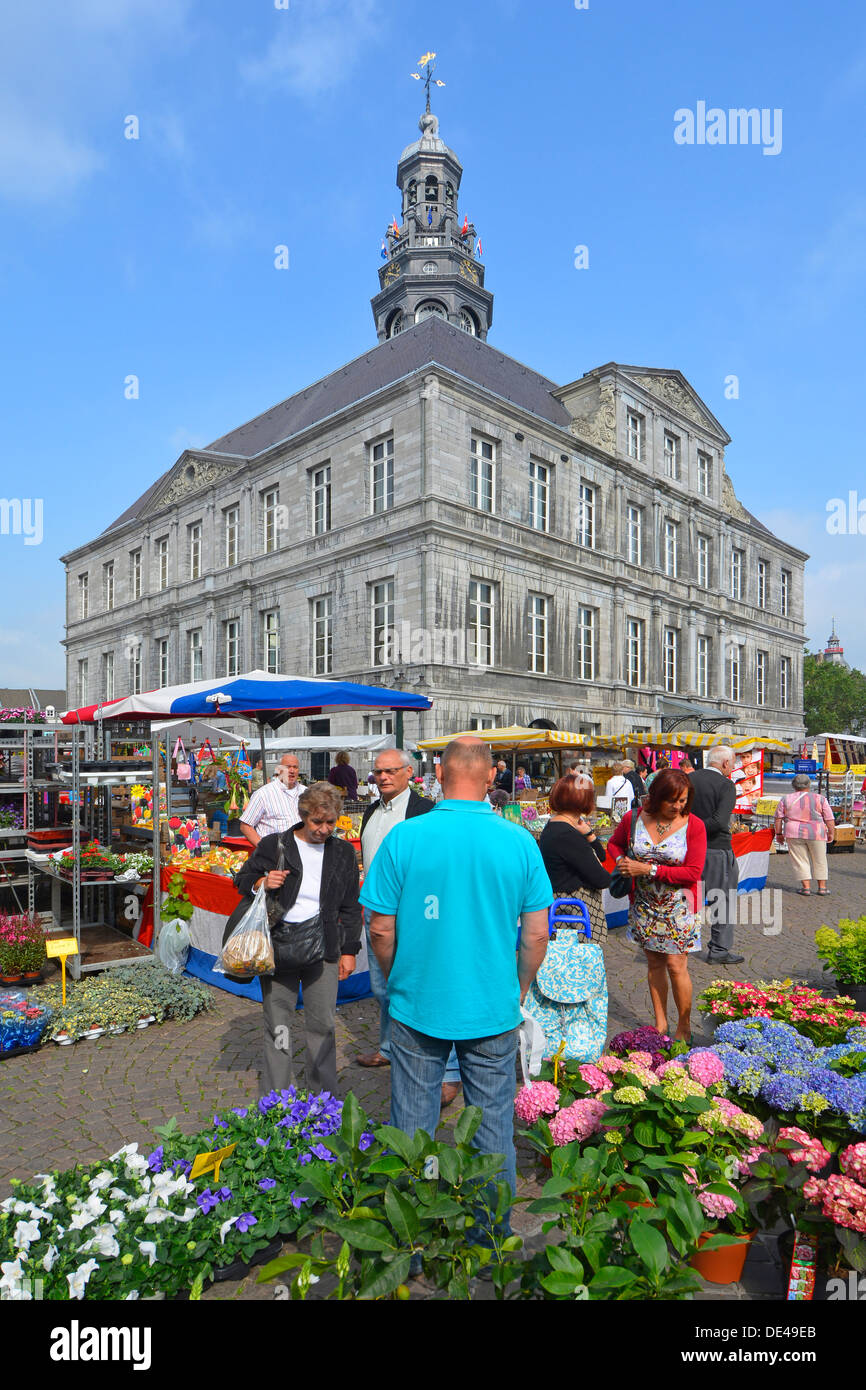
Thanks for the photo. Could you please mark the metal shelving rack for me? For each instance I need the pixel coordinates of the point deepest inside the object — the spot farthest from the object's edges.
(89, 739)
(31, 742)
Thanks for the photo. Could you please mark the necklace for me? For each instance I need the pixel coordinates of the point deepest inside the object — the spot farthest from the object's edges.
(663, 826)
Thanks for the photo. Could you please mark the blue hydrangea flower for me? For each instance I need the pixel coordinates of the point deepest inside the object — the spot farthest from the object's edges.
(782, 1092)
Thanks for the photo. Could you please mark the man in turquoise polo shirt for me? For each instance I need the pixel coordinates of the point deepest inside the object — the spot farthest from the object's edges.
(445, 893)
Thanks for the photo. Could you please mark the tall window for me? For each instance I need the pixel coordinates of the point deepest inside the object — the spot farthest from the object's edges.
(323, 635)
(671, 659)
(481, 618)
(162, 563)
(194, 536)
(672, 455)
(539, 494)
(586, 515)
(83, 595)
(83, 682)
(271, 640)
(109, 676)
(482, 721)
(736, 574)
(162, 661)
(634, 435)
(704, 561)
(762, 583)
(233, 647)
(735, 657)
(380, 724)
(785, 593)
(538, 633)
(586, 643)
(761, 678)
(381, 621)
(382, 476)
(482, 474)
(671, 549)
(231, 526)
(108, 574)
(270, 502)
(634, 534)
(785, 682)
(633, 651)
(135, 669)
(321, 487)
(195, 655)
(705, 474)
(703, 671)
(135, 573)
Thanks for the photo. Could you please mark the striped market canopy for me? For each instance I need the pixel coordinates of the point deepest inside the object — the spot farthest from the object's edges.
(544, 740)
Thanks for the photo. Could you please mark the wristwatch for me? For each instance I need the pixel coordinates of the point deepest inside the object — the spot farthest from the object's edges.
(653, 870)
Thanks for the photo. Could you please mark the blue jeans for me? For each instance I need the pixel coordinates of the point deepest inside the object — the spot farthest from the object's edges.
(487, 1067)
(379, 986)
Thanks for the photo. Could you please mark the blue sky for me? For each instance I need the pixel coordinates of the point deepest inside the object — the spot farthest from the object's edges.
(261, 126)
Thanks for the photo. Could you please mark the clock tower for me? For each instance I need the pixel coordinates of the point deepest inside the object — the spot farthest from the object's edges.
(432, 264)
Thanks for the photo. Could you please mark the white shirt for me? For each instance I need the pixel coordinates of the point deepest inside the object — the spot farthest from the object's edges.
(306, 904)
(382, 821)
(620, 788)
(273, 808)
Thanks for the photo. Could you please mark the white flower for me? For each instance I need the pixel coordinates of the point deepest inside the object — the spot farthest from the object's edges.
(122, 1153)
(94, 1205)
(117, 1216)
(148, 1247)
(156, 1215)
(86, 1213)
(133, 1293)
(103, 1239)
(25, 1234)
(100, 1181)
(165, 1185)
(135, 1164)
(12, 1277)
(78, 1281)
(117, 1193)
(37, 1212)
(14, 1204)
(224, 1228)
(187, 1215)
(139, 1203)
(49, 1258)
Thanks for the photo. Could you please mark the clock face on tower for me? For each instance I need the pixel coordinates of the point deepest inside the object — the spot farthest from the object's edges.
(392, 273)
(469, 271)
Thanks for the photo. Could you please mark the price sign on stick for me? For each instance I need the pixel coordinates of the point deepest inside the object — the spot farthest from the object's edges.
(203, 1163)
(62, 946)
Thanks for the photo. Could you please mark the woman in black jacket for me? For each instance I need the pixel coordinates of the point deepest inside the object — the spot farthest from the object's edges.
(572, 853)
(319, 878)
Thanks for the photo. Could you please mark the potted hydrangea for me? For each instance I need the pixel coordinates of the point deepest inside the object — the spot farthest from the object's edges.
(844, 953)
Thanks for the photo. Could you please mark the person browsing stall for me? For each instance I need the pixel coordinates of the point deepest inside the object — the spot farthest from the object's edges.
(274, 807)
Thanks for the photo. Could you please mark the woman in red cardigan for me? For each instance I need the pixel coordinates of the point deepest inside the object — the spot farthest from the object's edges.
(670, 847)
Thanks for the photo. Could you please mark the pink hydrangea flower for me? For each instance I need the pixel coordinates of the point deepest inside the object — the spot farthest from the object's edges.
(706, 1067)
(609, 1064)
(727, 1107)
(643, 1059)
(748, 1125)
(675, 1066)
(539, 1098)
(744, 1163)
(811, 1151)
(578, 1121)
(715, 1204)
(852, 1161)
(594, 1077)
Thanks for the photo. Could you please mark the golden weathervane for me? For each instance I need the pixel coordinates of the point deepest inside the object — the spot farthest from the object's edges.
(426, 62)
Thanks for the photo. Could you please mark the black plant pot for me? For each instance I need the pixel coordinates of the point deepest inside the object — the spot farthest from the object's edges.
(855, 992)
(238, 1268)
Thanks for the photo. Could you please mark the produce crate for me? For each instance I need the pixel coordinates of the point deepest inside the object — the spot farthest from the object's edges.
(846, 838)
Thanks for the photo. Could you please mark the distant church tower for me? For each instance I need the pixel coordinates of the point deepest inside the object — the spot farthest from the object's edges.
(834, 652)
(431, 265)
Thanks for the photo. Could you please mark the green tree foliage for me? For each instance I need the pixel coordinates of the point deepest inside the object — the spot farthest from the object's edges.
(834, 698)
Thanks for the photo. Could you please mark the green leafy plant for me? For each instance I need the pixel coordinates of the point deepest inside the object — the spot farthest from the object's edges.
(176, 904)
(844, 952)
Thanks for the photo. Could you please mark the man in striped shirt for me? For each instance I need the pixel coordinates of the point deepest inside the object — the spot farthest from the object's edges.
(274, 807)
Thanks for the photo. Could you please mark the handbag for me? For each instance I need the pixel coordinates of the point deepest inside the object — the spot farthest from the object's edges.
(182, 767)
(620, 884)
(296, 944)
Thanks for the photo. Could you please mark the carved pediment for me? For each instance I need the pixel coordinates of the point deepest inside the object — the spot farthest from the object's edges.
(593, 415)
(190, 474)
(731, 502)
(671, 390)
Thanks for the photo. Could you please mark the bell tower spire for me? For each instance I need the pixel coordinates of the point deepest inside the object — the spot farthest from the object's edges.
(432, 261)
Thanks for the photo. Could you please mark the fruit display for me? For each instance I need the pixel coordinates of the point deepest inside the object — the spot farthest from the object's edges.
(223, 862)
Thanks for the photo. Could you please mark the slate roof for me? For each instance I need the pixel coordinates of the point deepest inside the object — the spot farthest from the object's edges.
(432, 341)
(38, 699)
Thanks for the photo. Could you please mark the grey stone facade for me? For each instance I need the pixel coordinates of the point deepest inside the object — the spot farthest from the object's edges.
(412, 506)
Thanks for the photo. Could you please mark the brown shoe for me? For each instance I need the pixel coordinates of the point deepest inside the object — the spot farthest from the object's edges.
(450, 1090)
(372, 1059)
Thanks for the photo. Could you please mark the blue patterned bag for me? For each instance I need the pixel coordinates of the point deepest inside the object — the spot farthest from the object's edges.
(568, 997)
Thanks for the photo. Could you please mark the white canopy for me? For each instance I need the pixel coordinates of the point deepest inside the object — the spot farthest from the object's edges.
(195, 731)
(350, 743)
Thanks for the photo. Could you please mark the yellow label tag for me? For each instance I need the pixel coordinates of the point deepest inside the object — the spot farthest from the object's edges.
(203, 1163)
(61, 946)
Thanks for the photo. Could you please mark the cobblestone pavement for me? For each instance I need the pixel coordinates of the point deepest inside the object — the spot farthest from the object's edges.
(66, 1105)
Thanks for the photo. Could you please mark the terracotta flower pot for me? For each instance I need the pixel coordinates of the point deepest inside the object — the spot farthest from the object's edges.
(10, 979)
(725, 1265)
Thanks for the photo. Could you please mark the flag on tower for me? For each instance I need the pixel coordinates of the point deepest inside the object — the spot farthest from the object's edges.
(464, 230)
(383, 253)
(429, 217)
(394, 225)
(479, 251)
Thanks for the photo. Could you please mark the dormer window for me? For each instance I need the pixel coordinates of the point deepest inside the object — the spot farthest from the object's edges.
(467, 322)
(430, 306)
(431, 189)
(397, 324)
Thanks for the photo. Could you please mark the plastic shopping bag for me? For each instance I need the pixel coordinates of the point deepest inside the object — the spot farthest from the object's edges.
(532, 1047)
(249, 951)
(173, 945)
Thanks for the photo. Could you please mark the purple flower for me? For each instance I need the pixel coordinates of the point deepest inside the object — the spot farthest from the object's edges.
(264, 1142)
(364, 1142)
(154, 1160)
(319, 1151)
(286, 1120)
(297, 1201)
(266, 1184)
(206, 1201)
(224, 1194)
(240, 1110)
(218, 1123)
(245, 1221)
(304, 1158)
(299, 1111)
(183, 1166)
(287, 1095)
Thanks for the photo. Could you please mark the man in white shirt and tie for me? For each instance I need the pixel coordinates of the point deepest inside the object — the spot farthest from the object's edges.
(274, 807)
(397, 802)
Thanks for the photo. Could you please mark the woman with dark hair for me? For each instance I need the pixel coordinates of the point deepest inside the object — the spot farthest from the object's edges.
(668, 850)
(344, 776)
(314, 878)
(572, 853)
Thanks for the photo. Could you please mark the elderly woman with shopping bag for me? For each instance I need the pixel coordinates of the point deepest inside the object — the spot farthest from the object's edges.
(805, 821)
(312, 887)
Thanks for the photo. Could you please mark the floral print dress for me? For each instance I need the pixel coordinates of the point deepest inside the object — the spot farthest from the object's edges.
(661, 918)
